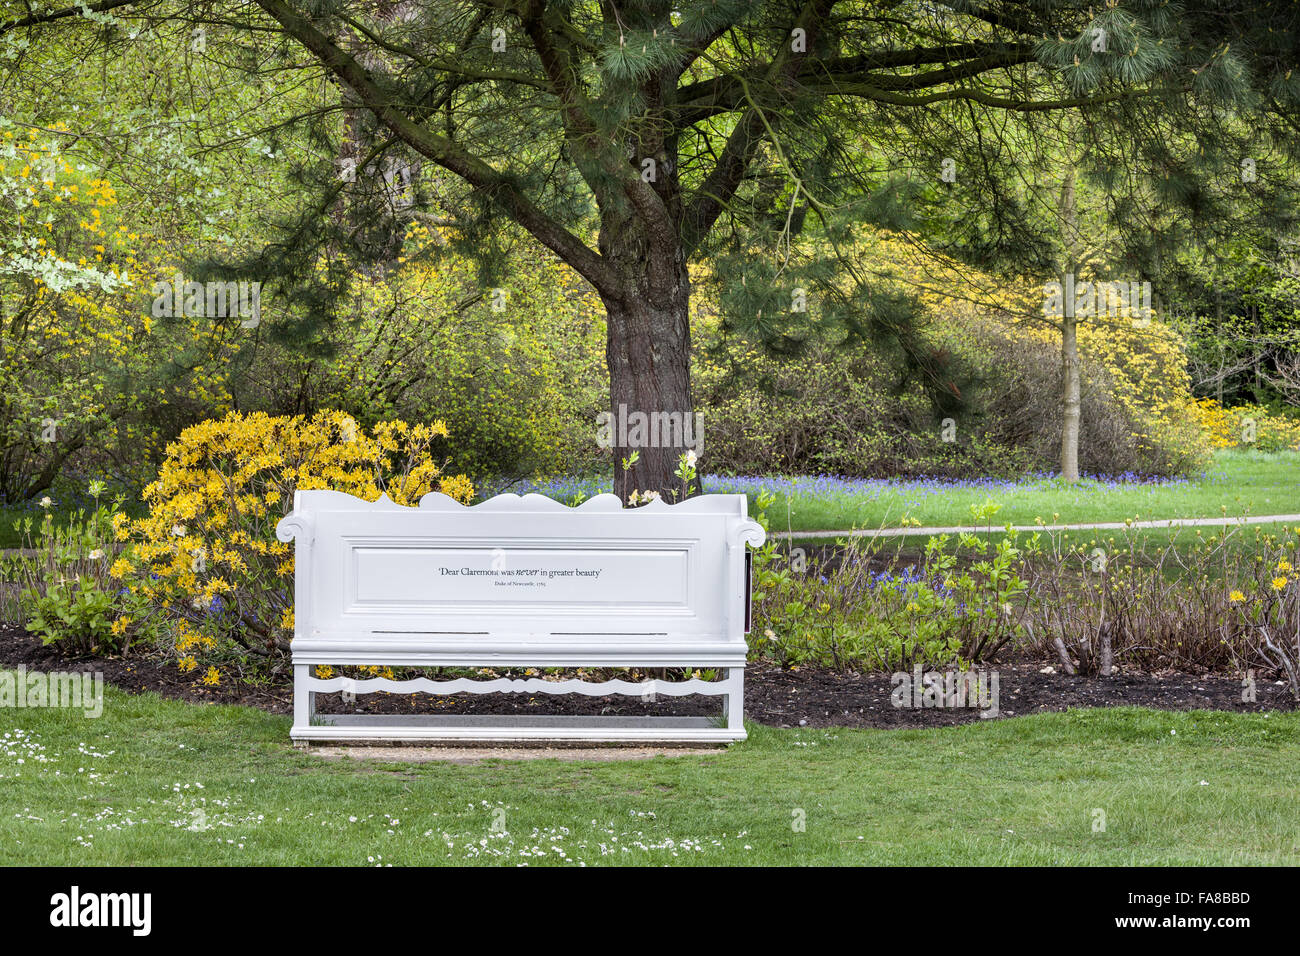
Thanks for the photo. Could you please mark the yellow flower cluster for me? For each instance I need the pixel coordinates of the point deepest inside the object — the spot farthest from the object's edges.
(1246, 426)
(206, 553)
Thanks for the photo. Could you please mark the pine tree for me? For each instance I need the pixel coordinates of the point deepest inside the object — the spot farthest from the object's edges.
(632, 139)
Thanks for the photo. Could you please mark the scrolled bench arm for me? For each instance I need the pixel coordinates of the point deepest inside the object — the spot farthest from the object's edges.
(293, 526)
(750, 532)
(296, 524)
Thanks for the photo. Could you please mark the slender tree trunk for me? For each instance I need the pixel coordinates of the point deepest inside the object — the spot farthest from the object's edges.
(1071, 401)
(1218, 335)
(1070, 378)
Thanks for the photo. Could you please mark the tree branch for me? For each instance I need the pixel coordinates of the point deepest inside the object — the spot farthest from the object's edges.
(724, 179)
(52, 15)
(445, 153)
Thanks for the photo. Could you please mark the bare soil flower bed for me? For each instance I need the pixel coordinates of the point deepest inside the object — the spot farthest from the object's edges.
(804, 697)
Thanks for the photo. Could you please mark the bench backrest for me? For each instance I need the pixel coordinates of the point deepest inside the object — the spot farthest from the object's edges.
(519, 573)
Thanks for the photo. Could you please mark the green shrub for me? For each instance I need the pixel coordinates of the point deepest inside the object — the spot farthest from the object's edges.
(955, 607)
(519, 388)
(76, 614)
(66, 592)
(847, 411)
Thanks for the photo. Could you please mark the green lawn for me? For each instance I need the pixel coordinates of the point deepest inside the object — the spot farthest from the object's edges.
(161, 782)
(1236, 483)
(11, 537)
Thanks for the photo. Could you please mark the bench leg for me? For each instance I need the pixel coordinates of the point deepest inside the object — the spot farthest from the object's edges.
(304, 701)
(733, 703)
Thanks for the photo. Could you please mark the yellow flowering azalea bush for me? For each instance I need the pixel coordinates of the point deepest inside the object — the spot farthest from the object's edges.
(516, 372)
(1144, 364)
(206, 556)
(79, 348)
(1247, 426)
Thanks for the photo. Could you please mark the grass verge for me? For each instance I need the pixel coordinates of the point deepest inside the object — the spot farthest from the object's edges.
(1236, 483)
(163, 782)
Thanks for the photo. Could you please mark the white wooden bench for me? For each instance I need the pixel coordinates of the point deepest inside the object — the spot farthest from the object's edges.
(519, 582)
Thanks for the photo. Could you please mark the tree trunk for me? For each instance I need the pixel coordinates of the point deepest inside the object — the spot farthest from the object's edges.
(1070, 379)
(1071, 400)
(648, 352)
(1218, 335)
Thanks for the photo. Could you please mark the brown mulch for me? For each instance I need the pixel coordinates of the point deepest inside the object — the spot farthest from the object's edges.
(805, 697)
